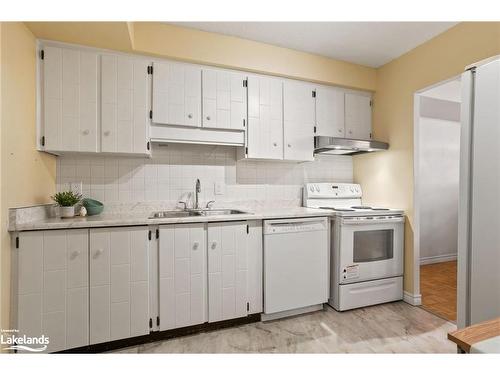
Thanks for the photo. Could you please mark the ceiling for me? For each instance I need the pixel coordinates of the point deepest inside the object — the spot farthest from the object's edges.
(366, 43)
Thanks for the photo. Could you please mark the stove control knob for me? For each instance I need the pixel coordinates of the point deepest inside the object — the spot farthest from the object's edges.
(311, 188)
(317, 188)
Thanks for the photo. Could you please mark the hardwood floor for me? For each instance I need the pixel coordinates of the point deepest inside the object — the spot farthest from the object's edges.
(438, 286)
(389, 328)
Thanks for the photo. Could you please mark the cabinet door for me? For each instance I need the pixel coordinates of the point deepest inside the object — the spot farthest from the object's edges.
(119, 283)
(51, 287)
(298, 124)
(70, 82)
(124, 105)
(176, 94)
(183, 275)
(265, 118)
(224, 99)
(329, 112)
(358, 116)
(227, 270)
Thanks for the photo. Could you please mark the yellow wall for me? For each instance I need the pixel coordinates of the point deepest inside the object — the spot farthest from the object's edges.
(231, 52)
(387, 177)
(27, 176)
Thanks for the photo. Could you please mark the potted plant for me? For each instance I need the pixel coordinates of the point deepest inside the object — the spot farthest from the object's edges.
(67, 200)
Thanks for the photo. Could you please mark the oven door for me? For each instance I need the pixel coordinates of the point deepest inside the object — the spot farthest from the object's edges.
(370, 248)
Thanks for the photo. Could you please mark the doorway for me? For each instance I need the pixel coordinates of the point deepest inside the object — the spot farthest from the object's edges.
(437, 164)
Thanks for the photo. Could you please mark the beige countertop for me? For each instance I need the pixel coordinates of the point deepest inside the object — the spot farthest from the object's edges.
(141, 218)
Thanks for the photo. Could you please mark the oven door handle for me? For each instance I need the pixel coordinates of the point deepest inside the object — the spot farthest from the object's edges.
(364, 221)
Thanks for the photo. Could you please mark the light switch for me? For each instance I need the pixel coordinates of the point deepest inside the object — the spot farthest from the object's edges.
(219, 188)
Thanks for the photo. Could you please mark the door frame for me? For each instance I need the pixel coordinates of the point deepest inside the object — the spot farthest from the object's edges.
(416, 298)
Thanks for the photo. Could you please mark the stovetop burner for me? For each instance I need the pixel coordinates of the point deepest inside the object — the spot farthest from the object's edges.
(338, 209)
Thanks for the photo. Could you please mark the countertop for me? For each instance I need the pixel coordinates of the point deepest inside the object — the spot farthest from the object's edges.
(130, 219)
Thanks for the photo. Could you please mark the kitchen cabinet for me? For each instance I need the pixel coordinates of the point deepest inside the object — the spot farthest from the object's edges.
(182, 275)
(330, 120)
(234, 270)
(224, 99)
(125, 104)
(70, 106)
(119, 283)
(50, 287)
(176, 94)
(358, 116)
(298, 121)
(265, 118)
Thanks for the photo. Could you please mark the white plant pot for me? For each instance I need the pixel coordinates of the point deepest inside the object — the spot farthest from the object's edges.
(67, 211)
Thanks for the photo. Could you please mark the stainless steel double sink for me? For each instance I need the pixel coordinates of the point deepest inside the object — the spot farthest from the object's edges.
(190, 213)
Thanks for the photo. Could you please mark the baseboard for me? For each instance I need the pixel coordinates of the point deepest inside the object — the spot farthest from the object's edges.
(412, 299)
(438, 259)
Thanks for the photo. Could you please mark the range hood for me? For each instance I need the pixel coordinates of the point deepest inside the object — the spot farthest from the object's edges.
(346, 146)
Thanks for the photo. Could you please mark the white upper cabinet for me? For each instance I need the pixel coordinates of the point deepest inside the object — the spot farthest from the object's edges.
(176, 94)
(358, 116)
(224, 99)
(299, 120)
(70, 92)
(329, 112)
(125, 98)
(265, 118)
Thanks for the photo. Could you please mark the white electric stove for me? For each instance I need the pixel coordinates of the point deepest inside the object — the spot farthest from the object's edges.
(367, 244)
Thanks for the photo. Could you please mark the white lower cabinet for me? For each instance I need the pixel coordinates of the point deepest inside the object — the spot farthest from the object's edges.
(119, 283)
(234, 270)
(50, 287)
(182, 275)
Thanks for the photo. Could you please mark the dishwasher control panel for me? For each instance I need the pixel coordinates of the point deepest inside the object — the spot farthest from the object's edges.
(295, 225)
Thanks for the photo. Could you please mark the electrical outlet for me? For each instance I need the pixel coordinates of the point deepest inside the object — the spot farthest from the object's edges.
(219, 188)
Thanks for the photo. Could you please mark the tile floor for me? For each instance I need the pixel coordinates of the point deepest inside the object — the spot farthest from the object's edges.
(438, 286)
(390, 328)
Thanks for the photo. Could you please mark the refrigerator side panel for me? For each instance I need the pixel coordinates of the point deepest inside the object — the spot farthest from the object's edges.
(463, 306)
(485, 194)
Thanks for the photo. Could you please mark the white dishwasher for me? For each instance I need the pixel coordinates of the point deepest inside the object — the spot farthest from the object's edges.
(296, 266)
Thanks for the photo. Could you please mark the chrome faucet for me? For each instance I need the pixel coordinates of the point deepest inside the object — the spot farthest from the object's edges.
(197, 191)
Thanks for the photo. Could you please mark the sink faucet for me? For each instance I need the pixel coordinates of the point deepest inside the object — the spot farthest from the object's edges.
(197, 191)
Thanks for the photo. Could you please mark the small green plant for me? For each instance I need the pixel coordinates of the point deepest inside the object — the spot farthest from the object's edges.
(67, 198)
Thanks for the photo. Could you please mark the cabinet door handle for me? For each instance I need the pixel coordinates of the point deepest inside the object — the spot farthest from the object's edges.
(190, 116)
(289, 145)
(196, 245)
(75, 254)
(275, 144)
(208, 118)
(340, 130)
(214, 245)
(86, 132)
(107, 132)
(97, 253)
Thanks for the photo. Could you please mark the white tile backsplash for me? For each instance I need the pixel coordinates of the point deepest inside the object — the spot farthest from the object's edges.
(171, 173)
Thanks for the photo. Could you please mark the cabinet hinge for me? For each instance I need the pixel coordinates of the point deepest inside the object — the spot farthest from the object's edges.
(157, 321)
(245, 83)
(147, 145)
(157, 233)
(151, 114)
(314, 93)
(248, 306)
(244, 122)
(150, 323)
(149, 235)
(370, 135)
(246, 150)
(315, 130)
(248, 229)
(42, 141)
(150, 69)
(17, 242)
(42, 54)
(371, 103)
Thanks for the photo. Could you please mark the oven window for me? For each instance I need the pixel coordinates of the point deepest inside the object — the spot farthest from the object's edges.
(373, 245)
